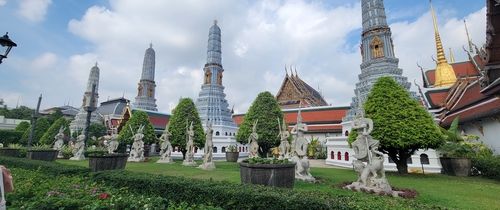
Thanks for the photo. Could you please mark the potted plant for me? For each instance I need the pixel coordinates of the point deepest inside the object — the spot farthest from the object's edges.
(67, 152)
(100, 159)
(456, 151)
(42, 152)
(13, 150)
(269, 172)
(232, 153)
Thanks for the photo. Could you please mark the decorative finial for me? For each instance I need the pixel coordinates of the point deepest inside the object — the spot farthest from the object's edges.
(215, 22)
(150, 44)
(296, 74)
(95, 64)
(452, 57)
(286, 71)
(471, 49)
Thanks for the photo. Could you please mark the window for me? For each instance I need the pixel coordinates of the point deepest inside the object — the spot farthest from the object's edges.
(332, 155)
(217, 133)
(239, 150)
(409, 161)
(346, 156)
(346, 133)
(424, 159)
(195, 149)
(226, 134)
(223, 149)
(339, 156)
(215, 149)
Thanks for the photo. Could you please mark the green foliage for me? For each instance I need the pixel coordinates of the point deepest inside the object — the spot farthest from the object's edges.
(183, 113)
(42, 125)
(35, 190)
(48, 137)
(10, 136)
(352, 137)
(67, 152)
(22, 113)
(23, 126)
(266, 110)
(259, 160)
(313, 147)
(400, 123)
(15, 146)
(138, 119)
(221, 194)
(40, 147)
(96, 151)
(98, 130)
(456, 150)
(52, 168)
(488, 166)
(54, 116)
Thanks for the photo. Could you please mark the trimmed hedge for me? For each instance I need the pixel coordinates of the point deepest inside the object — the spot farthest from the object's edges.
(222, 194)
(10, 137)
(488, 166)
(47, 167)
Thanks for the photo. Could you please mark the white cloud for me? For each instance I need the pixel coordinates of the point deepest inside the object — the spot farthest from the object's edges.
(44, 62)
(3, 2)
(33, 10)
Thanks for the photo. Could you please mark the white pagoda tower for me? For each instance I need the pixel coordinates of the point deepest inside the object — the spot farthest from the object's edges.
(145, 98)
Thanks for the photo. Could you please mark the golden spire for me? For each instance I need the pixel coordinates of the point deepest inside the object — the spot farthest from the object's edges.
(445, 76)
(452, 57)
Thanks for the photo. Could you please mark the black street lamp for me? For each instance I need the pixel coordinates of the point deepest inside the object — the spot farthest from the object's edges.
(8, 44)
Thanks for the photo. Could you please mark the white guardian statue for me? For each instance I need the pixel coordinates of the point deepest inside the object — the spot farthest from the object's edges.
(79, 148)
(59, 142)
(189, 161)
(137, 150)
(299, 148)
(166, 147)
(208, 164)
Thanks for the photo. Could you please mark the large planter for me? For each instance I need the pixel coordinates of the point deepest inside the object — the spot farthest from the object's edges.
(107, 162)
(276, 175)
(232, 156)
(45, 155)
(456, 166)
(11, 152)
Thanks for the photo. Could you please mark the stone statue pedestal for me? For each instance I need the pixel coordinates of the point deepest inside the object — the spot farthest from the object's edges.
(207, 166)
(132, 159)
(79, 157)
(60, 154)
(380, 185)
(165, 160)
(189, 163)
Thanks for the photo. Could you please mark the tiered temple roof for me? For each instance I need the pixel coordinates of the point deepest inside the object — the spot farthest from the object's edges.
(294, 91)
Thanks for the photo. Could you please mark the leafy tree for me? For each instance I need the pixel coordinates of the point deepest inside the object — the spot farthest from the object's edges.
(42, 125)
(22, 112)
(55, 116)
(185, 112)
(266, 110)
(23, 126)
(400, 123)
(48, 137)
(137, 119)
(96, 130)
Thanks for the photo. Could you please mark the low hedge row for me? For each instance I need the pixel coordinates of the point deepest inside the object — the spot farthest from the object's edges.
(47, 167)
(222, 194)
(488, 166)
(10, 137)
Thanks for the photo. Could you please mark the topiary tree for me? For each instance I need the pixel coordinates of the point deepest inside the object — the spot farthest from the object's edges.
(137, 119)
(185, 112)
(42, 125)
(264, 108)
(23, 126)
(48, 137)
(400, 123)
(54, 116)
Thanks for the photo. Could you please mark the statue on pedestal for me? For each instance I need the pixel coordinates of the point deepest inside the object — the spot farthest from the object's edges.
(208, 164)
(189, 161)
(79, 148)
(59, 142)
(137, 150)
(111, 142)
(284, 148)
(252, 141)
(299, 148)
(166, 147)
(371, 176)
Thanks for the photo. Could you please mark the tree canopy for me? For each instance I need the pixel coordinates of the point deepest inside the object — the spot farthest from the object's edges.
(42, 125)
(48, 136)
(137, 119)
(185, 112)
(54, 116)
(400, 123)
(22, 112)
(23, 126)
(266, 110)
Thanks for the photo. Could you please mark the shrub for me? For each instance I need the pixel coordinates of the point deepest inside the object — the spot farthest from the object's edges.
(138, 118)
(488, 166)
(185, 112)
(10, 136)
(222, 194)
(47, 167)
(42, 125)
(259, 160)
(48, 136)
(23, 126)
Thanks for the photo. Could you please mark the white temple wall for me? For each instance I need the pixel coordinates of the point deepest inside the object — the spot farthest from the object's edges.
(490, 132)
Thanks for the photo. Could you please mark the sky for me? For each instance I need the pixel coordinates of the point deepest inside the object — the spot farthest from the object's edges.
(60, 40)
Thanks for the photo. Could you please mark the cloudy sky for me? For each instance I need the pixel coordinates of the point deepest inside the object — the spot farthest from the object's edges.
(60, 40)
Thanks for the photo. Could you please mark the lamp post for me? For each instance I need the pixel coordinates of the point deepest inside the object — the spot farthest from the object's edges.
(33, 122)
(8, 44)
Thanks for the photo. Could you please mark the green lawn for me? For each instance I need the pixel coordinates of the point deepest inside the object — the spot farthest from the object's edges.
(448, 191)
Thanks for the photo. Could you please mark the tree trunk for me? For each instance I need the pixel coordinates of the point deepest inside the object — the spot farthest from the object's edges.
(402, 167)
(399, 158)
